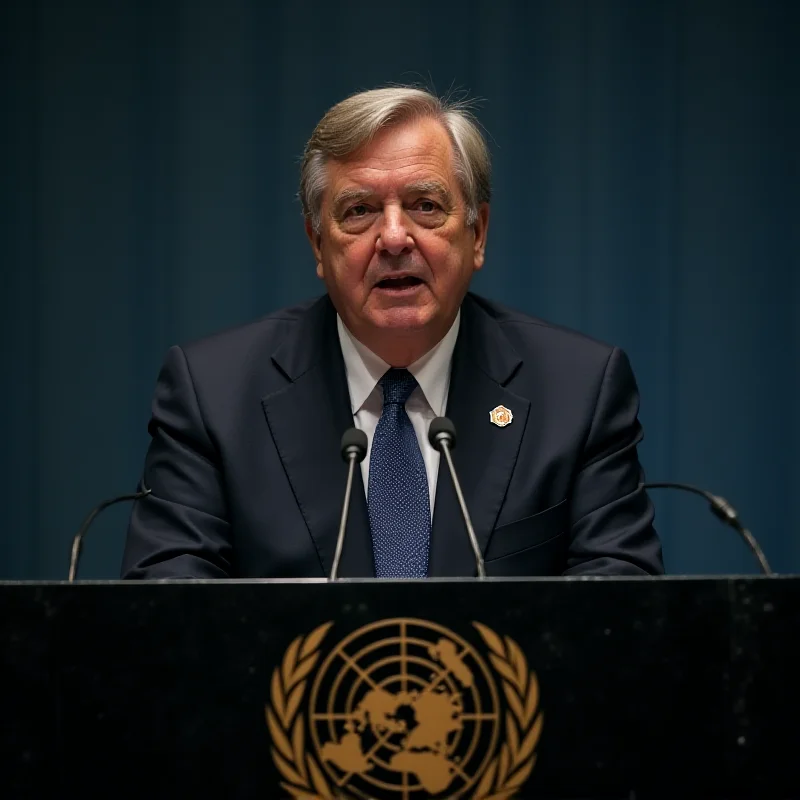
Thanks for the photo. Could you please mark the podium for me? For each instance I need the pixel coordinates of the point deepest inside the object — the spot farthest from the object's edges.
(554, 688)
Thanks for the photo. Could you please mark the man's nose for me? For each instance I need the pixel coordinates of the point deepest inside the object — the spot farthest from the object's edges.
(394, 237)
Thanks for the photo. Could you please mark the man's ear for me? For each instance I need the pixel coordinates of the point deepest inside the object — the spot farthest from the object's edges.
(315, 240)
(481, 229)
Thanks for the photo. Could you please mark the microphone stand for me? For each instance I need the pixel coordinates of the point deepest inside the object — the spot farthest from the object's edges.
(354, 448)
(442, 436)
(473, 540)
(77, 542)
(343, 521)
(724, 511)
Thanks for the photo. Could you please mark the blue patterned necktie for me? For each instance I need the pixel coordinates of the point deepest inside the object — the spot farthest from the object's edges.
(398, 499)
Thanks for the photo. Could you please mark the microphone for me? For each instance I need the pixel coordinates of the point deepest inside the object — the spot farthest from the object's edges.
(723, 510)
(354, 448)
(77, 542)
(442, 436)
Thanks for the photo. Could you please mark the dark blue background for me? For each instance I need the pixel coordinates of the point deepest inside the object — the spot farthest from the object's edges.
(646, 192)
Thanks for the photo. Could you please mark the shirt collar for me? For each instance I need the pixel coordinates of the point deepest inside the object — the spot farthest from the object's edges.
(364, 369)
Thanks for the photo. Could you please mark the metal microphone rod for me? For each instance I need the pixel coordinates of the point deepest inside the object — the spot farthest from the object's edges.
(77, 542)
(724, 511)
(352, 459)
(473, 540)
(685, 487)
(754, 546)
(354, 450)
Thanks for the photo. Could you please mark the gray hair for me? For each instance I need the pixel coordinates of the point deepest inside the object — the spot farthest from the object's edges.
(354, 122)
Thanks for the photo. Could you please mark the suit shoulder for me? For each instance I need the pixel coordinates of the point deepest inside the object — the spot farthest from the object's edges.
(526, 332)
(264, 333)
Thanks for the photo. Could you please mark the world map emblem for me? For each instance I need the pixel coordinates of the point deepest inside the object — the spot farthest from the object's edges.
(404, 708)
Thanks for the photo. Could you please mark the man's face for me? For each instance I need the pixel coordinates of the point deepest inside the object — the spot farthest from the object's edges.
(393, 248)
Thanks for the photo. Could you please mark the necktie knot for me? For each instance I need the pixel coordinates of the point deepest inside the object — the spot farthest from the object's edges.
(397, 386)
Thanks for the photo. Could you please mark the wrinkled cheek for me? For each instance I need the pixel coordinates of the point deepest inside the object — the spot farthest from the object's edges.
(355, 260)
(445, 272)
(348, 284)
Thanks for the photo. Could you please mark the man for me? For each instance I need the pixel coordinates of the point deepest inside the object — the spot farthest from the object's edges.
(244, 464)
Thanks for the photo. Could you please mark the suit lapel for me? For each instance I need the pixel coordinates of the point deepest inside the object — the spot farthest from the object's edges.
(307, 419)
(483, 362)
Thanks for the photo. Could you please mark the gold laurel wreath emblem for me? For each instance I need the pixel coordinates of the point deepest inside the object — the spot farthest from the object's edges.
(513, 765)
(506, 773)
(305, 779)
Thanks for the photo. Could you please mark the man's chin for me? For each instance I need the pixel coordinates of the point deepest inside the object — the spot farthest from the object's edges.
(402, 318)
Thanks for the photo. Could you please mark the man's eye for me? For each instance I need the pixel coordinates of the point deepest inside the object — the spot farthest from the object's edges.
(427, 206)
(357, 211)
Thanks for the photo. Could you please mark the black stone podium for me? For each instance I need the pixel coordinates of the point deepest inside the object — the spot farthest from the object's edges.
(582, 688)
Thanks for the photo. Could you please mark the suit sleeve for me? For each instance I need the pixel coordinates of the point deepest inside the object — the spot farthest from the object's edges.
(611, 515)
(181, 529)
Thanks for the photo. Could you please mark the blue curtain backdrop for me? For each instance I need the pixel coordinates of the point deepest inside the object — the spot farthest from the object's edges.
(646, 193)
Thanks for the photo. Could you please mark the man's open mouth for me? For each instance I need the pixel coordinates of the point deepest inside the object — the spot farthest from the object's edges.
(398, 284)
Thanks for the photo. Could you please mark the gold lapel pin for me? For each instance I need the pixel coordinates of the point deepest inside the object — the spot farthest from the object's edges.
(501, 416)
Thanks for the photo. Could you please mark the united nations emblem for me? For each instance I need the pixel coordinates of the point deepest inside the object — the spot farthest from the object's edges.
(404, 708)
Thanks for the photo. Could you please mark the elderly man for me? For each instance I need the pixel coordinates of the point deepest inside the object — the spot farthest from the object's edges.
(244, 463)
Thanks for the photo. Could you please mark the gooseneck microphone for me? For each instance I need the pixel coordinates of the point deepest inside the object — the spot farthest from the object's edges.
(442, 436)
(354, 449)
(77, 542)
(723, 510)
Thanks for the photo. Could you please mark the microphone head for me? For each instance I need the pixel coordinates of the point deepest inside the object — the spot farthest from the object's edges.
(441, 431)
(354, 443)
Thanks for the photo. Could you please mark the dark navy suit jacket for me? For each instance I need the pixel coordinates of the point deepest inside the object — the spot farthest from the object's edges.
(247, 479)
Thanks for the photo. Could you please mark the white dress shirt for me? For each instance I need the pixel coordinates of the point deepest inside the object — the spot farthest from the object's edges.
(364, 369)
